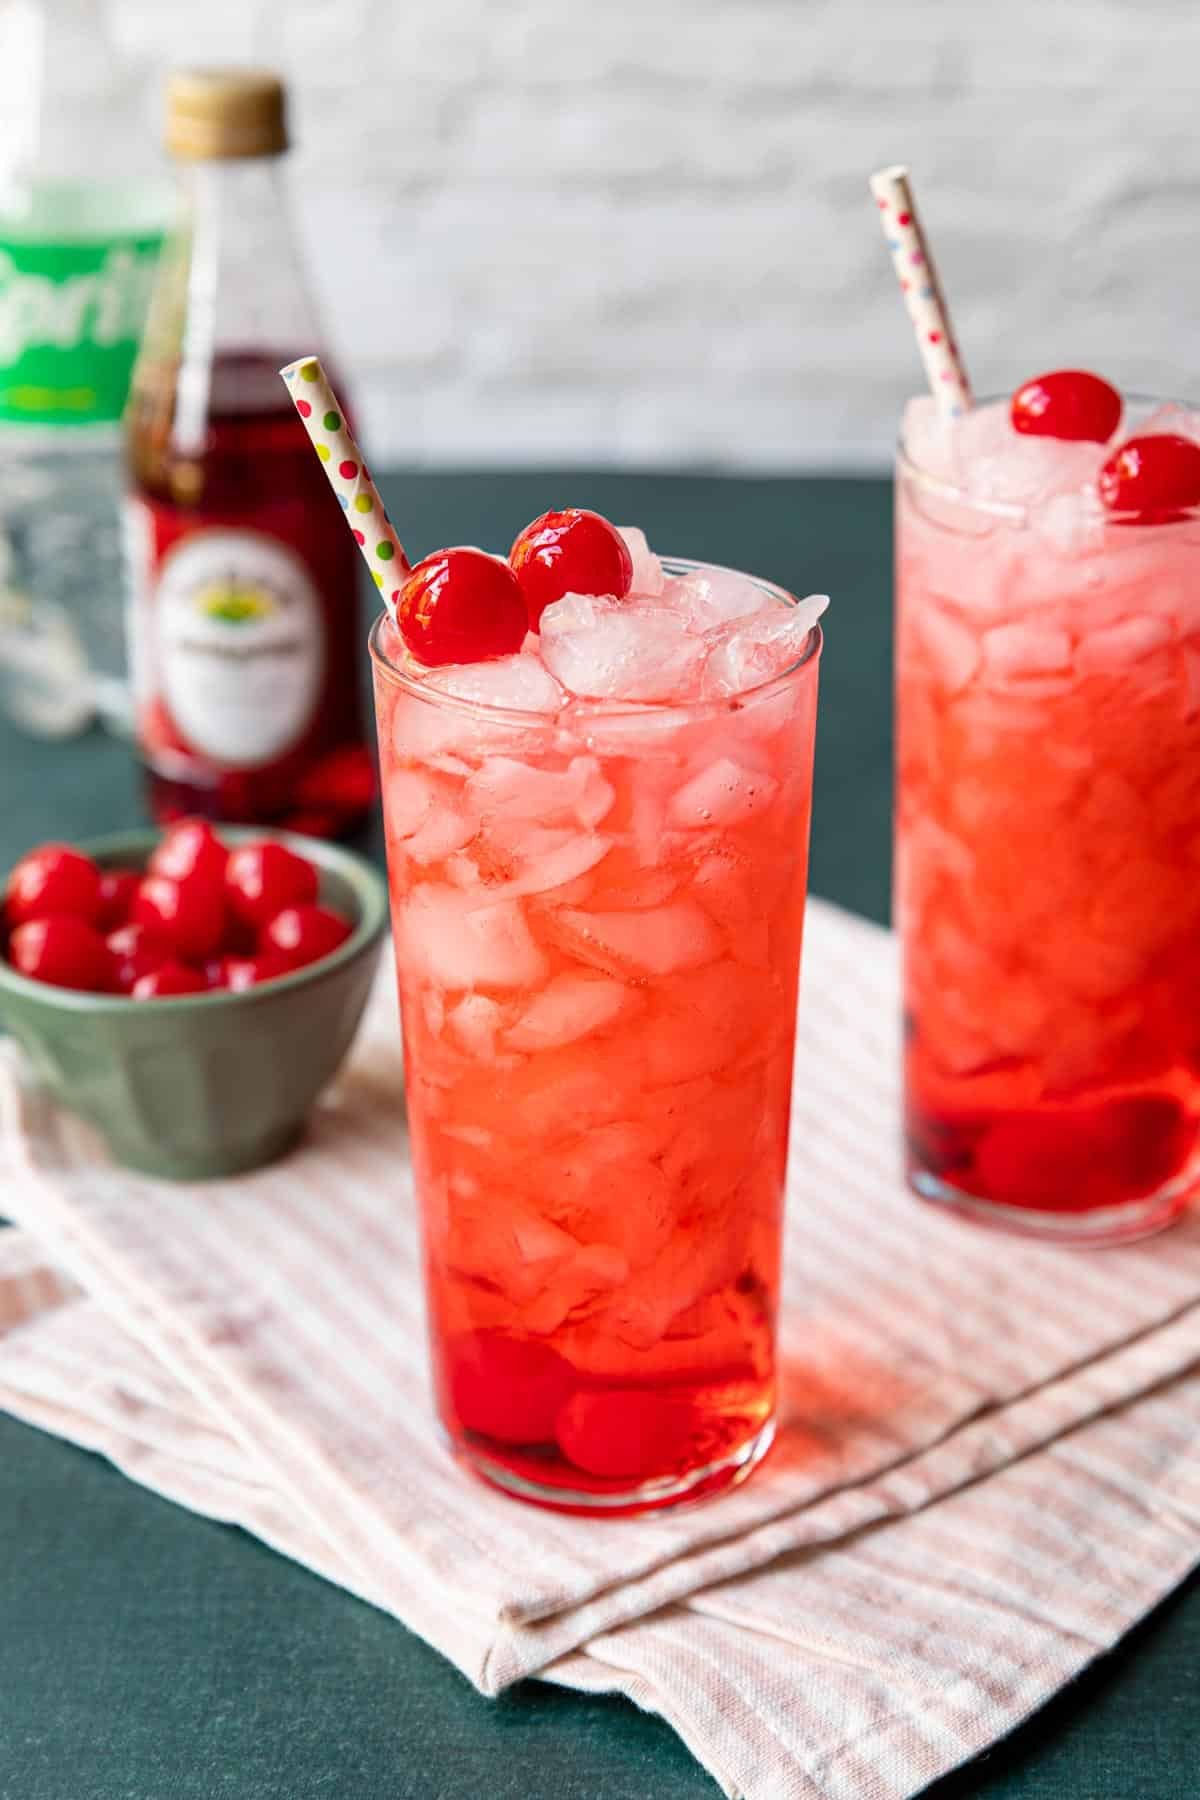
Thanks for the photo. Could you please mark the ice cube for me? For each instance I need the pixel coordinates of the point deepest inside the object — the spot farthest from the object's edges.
(446, 935)
(749, 732)
(470, 1134)
(593, 1270)
(570, 1007)
(728, 888)
(711, 597)
(1005, 465)
(656, 941)
(421, 816)
(767, 645)
(517, 683)
(423, 729)
(509, 1245)
(689, 1265)
(552, 1105)
(510, 789)
(616, 650)
(648, 575)
(445, 829)
(475, 1022)
(650, 800)
(1112, 650)
(636, 891)
(462, 870)
(722, 793)
(638, 734)
(702, 1023)
(409, 797)
(1023, 652)
(950, 647)
(929, 439)
(542, 860)
(671, 1046)
(575, 855)
(607, 1188)
(1071, 523)
(596, 795)
(1169, 418)
(527, 1255)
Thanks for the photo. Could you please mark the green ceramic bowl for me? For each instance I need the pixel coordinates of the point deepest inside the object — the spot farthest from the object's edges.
(206, 1084)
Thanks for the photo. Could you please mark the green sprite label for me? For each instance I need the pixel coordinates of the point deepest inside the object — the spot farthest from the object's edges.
(70, 318)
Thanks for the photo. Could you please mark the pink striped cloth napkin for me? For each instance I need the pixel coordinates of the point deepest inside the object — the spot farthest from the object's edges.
(863, 1615)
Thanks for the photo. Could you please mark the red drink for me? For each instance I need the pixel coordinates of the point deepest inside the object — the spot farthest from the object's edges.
(1048, 831)
(598, 909)
(243, 616)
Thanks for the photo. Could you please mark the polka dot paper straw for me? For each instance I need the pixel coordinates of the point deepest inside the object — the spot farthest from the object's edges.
(357, 494)
(922, 291)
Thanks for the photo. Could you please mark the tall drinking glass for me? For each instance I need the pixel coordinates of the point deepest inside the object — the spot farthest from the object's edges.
(1048, 854)
(597, 917)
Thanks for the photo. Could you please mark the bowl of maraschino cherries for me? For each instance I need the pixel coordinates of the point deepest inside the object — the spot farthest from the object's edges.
(189, 993)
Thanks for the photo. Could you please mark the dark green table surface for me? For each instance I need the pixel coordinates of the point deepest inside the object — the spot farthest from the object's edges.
(149, 1655)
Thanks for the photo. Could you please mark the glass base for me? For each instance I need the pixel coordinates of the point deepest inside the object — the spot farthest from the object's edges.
(647, 1496)
(1095, 1229)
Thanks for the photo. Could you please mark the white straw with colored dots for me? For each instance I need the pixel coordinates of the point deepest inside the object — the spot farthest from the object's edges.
(922, 291)
(366, 515)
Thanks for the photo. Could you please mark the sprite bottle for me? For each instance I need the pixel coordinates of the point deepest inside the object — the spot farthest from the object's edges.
(82, 217)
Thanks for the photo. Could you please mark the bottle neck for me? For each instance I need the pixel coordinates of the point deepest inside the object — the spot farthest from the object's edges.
(247, 288)
(246, 304)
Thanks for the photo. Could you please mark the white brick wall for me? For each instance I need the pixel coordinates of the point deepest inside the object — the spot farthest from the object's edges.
(637, 231)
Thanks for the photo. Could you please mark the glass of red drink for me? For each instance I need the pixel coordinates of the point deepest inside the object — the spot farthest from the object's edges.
(597, 910)
(1048, 821)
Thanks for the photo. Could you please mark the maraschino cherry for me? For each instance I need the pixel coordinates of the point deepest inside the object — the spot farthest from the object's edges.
(190, 849)
(52, 881)
(507, 1388)
(1154, 478)
(1067, 403)
(461, 606)
(62, 950)
(170, 981)
(134, 951)
(189, 915)
(570, 552)
(117, 889)
(261, 879)
(302, 934)
(201, 917)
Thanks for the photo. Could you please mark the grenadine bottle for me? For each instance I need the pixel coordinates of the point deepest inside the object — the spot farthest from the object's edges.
(243, 610)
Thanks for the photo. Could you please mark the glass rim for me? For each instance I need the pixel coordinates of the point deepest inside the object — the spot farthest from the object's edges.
(1017, 511)
(575, 708)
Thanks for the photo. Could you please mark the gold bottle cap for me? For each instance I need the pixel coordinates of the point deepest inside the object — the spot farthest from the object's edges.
(225, 112)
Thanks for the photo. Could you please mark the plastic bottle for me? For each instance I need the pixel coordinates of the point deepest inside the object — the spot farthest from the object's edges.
(82, 214)
(245, 634)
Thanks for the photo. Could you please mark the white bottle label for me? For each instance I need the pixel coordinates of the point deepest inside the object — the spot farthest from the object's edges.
(239, 647)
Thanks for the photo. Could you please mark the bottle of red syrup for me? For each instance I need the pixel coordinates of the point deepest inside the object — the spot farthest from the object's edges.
(244, 636)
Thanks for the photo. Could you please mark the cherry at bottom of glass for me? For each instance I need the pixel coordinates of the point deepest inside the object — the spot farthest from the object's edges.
(615, 1440)
(546, 1479)
(1111, 1171)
